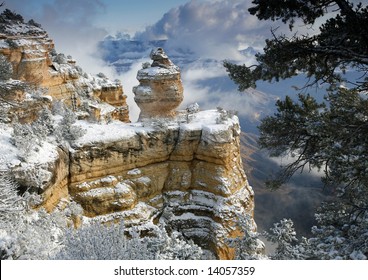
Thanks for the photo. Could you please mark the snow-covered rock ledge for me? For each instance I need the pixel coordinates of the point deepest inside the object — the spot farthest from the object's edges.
(186, 170)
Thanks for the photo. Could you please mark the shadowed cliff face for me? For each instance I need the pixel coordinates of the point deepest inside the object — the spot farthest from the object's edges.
(297, 200)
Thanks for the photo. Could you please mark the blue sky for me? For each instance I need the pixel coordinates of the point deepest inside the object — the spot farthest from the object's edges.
(112, 15)
(77, 25)
(128, 15)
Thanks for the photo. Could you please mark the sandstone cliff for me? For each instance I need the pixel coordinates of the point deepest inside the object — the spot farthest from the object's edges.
(182, 169)
(188, 174)
(34, 59)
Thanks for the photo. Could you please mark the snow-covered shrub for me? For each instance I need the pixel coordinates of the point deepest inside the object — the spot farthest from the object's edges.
(31, 234)
(146, 65)
(24, 139)
(11, 43)
(66, 128)
(10, 201)
(58, 107)
(176, 247)
(44, 123)
(248, 246)
(32, 22)
(60, 58)
(6, 69)
(26, 233)
(110, 242)
(340, 233)
(283, 235)
(4, 111)
(101, 75)
(224, 116)
(8, 15)
(100, 242)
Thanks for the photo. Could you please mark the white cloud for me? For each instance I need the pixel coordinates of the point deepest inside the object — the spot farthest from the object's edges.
(70, 24)
(211, 28)
(211, 31)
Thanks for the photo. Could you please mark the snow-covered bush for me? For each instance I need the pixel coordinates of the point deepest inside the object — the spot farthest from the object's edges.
(10, 201)
(60, 58)
(340, 233)
(9, 15)
(176, 247)
(100, 242)
(101, 75)
(32, 22)
(44, 123)
(12, 43)
(146, 65)
(6, 69)
(110, 242)
(225, 115)
(26, 233)
(32, 235)
(248, 246)
(283, 235)
(24, 139)
(66, 129)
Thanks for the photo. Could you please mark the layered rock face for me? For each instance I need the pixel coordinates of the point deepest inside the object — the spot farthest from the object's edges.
(182, 168)
(178, 168)
(34, 60)
(188, 174)
(160, 91)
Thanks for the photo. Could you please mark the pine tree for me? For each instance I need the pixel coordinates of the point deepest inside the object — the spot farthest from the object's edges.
(330, 135)
(341, 43)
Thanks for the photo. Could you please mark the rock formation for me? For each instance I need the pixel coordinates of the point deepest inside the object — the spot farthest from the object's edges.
(188, 174)
(34, 60)
(179, 168)
(160, 91)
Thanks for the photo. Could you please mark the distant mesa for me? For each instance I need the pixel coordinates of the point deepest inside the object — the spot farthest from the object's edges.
(160, 90)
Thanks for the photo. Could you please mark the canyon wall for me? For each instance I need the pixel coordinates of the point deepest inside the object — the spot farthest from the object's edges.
(34, 60)
(188, 174)
(180, 168)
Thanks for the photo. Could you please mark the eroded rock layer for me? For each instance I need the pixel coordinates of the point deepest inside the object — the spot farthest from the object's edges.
(34, 60)
(189, 175)
(181, 169)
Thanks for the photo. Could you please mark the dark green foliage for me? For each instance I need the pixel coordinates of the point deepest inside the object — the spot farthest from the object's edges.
(318, 136)
(295, 129)
(32, 22)
(8, 15)
(341, 43)
(329, 136)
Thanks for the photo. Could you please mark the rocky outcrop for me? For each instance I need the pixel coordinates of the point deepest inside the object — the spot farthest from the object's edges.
(34, 60)
(160, 91)
(189, 175)
(182, 169)
(48, 176)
